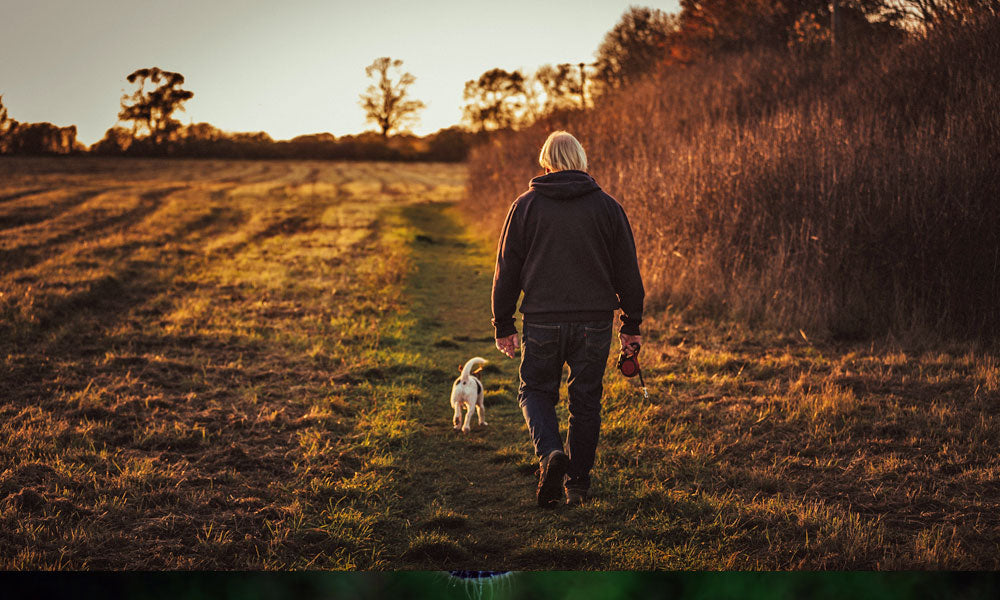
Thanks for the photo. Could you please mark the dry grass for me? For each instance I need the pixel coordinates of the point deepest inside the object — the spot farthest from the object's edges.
(811, 456)
(784, 208)
(849, 197)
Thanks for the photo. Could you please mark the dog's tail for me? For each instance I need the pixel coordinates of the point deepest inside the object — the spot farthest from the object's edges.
(469, 366)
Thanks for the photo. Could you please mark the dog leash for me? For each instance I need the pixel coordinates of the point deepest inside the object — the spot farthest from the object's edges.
(628, 364)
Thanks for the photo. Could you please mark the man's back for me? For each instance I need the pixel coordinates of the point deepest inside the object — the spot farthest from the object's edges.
(569, 247)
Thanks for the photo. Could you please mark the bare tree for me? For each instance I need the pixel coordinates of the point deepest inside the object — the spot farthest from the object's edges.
(496, 100)
(151, 111)
(385, 102)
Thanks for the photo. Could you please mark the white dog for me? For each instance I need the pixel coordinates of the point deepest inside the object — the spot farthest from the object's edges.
(467, 393)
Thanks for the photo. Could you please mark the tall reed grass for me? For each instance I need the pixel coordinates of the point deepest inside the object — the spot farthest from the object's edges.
(851, 196)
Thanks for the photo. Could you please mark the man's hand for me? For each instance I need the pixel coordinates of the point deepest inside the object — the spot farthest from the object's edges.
(508, 345)
(627, 340)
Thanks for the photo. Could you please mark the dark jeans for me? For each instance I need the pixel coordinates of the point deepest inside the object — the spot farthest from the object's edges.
(584, 347)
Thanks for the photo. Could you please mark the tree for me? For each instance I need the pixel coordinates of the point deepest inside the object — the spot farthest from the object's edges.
(634, 46)
(713, 26)
(551, 89)
(152, 110)
(451, 144)
(203, 132)
(936, 12)
(496, 100)
(42, 138)
(35, 138)
(385, 102)
(116, 141)
(563, 85)
(7, 126)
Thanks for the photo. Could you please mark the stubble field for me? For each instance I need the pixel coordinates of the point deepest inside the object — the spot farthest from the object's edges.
(224, 364)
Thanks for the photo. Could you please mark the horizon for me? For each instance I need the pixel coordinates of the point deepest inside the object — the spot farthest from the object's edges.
(254, 78)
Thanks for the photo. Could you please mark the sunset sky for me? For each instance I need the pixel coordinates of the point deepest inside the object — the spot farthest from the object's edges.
(288, 68)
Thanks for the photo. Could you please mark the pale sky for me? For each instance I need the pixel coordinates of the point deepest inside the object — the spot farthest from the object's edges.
(287, 67)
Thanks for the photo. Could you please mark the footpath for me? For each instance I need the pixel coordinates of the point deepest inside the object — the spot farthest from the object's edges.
(463, 501)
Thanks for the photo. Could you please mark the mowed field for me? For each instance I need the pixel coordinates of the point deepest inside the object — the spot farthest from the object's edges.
(225, 364)
(185, 354)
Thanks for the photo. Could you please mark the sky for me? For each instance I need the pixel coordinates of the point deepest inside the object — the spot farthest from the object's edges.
(287, 67)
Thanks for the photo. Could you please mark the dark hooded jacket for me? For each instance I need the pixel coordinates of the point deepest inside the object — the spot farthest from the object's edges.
(569, 247)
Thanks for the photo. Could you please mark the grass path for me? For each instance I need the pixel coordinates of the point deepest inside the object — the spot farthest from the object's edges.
(468, 499)
(440, 498)
(463, 501)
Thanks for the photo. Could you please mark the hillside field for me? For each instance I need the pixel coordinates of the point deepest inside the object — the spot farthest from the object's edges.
(246, 365)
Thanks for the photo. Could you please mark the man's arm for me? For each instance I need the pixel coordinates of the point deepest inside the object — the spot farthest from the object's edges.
(507, 276)
(627, 279)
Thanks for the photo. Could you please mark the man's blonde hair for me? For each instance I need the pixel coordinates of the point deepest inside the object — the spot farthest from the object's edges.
(562, 151)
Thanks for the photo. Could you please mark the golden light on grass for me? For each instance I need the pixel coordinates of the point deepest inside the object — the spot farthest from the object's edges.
(216, 380)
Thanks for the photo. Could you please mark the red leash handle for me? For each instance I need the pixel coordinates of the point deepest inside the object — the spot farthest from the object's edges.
(628, 364)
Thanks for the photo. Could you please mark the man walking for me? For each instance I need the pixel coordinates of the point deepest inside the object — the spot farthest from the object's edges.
(569, 247)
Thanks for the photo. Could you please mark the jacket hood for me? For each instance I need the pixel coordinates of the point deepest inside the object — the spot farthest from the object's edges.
(564, 185)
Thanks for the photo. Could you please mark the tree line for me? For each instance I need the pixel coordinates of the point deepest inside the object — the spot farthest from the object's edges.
(644, 41)
(647, 41)
(35, 138)
(147, 126)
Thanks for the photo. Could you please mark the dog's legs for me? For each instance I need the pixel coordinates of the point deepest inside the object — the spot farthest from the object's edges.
(468, 420)
(456, 403)
(481, 410)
